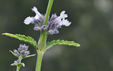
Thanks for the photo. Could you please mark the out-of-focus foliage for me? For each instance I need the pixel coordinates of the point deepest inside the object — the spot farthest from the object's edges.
(92, 27)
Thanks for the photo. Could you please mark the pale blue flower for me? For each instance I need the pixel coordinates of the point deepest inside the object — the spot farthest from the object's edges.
(56, 22)
(16, 62)
(38, 20)
(53, 24)
(22, 51)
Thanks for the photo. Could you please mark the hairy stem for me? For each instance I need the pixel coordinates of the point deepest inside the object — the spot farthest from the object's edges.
(43, 38)
(18, 68)
(48, 11)
(43, 34)
(39, 61)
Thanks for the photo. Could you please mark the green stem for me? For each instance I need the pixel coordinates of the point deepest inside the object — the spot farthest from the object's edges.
(48, 11)
(39, 61)
(43, 38)
(18, 68)
(43, 34)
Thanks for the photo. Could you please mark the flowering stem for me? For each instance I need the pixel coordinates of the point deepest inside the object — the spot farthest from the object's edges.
(48, 11)
(43, 34)
(43, 38)
(39, 61)
(18, 68)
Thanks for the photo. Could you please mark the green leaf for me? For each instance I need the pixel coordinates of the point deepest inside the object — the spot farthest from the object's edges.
(30, 55)
(20, 64)
(13, 53)
(61, 42)
(24, 38)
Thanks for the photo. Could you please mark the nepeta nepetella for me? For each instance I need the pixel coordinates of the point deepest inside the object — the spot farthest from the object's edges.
(53, 24)
(22, 51)
(47, 26)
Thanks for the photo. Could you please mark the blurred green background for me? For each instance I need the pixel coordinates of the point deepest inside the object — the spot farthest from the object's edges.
(92, 27)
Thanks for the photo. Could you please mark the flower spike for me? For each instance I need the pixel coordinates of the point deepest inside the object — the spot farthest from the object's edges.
(53, 24)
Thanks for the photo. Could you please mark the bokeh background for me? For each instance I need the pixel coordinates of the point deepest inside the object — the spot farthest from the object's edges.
(92, 27)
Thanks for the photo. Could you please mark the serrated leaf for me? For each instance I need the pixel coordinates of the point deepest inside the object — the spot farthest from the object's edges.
(61, 42)
(24, 38)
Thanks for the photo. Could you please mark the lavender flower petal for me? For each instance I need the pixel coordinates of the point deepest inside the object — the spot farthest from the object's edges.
(28, 20)
(23, 51)
(16, 52)
(51, 32)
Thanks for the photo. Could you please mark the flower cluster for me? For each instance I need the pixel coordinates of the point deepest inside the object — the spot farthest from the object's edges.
(16, 62)
(53, 24)
(22, 51)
